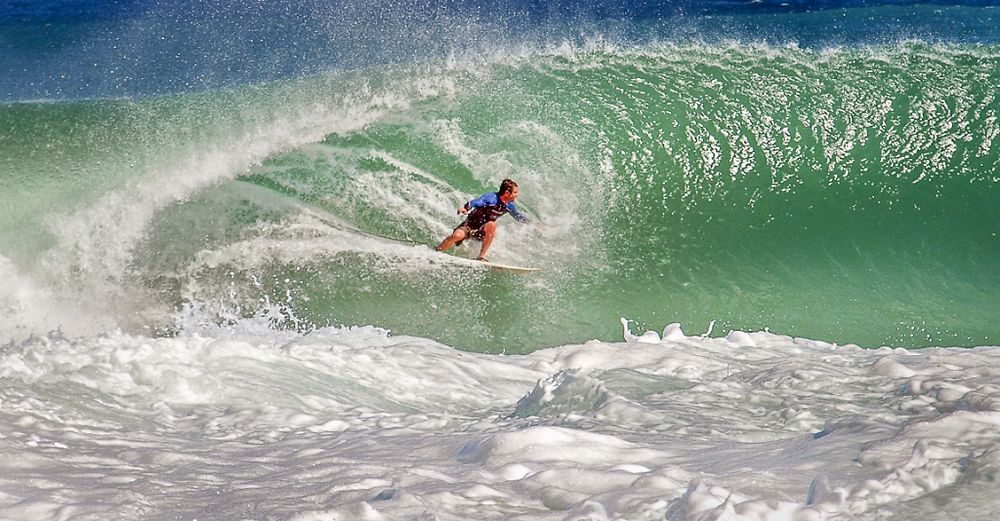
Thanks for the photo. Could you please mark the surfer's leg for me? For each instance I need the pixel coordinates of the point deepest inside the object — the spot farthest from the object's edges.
(487, 230)
(456, 236)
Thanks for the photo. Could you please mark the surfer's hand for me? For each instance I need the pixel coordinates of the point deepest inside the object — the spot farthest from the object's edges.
(462, 209)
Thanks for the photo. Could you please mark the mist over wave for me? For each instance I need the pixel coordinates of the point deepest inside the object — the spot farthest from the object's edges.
(136, 48)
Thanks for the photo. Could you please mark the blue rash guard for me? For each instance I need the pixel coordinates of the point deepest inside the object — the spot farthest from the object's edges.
(488, 207)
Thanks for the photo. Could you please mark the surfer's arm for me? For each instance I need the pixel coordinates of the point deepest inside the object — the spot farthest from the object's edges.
(512, 208)
(487, 199)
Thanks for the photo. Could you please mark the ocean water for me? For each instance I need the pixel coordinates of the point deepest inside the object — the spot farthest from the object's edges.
(219, 297)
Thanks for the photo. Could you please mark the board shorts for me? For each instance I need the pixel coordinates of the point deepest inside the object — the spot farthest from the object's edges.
(476, 234)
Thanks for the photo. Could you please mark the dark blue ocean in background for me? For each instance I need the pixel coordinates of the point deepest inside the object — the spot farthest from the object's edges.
(85, 49)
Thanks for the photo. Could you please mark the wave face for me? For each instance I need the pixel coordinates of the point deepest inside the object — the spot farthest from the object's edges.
(846, 194)
(805, 167)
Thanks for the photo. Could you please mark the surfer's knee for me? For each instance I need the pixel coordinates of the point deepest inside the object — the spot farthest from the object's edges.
(489, 227)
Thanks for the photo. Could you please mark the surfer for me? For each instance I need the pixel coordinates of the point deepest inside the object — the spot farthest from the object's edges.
(482, 214)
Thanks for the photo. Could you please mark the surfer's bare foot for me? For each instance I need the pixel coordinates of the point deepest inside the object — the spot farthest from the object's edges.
(481, 258)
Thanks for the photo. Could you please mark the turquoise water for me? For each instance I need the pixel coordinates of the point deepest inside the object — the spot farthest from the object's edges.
(840, 192)
(848, 195)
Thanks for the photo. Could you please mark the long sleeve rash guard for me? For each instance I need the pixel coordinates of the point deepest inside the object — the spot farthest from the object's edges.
(488, 207)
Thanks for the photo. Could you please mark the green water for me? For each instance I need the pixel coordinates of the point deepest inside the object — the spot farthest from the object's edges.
(846, 195)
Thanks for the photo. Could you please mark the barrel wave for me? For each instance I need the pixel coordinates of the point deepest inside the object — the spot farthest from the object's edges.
(843, 194)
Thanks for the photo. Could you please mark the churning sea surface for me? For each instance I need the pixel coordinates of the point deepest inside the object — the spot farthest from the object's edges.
(769, 235)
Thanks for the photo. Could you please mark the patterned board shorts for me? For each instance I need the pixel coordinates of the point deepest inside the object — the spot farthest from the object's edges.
(469, 232)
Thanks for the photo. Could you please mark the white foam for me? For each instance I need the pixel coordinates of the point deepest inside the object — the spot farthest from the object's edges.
(29, 308)
(245, 422)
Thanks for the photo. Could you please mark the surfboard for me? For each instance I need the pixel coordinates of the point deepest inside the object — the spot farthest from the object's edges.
(506, 267)
(495, 266)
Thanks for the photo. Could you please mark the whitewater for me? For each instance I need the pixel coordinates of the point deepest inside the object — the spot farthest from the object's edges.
(219, 298)
(250, 423)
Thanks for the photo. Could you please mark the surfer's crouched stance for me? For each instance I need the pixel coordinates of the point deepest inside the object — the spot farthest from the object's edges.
(483, 212)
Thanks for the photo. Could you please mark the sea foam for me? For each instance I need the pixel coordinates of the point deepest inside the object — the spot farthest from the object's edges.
(243, 422)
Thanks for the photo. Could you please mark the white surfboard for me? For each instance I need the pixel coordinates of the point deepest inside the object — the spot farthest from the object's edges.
(495, 266)
(507, 267)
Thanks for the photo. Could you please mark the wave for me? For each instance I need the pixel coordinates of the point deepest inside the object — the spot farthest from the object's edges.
(843, 194)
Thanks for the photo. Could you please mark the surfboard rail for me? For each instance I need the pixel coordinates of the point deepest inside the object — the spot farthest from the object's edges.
(508, 267)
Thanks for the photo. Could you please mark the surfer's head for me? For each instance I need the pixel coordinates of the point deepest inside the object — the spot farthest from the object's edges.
(508, 190)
